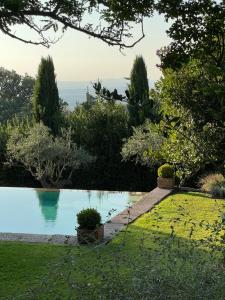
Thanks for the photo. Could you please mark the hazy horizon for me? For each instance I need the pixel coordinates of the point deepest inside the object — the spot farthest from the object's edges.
(74, 92)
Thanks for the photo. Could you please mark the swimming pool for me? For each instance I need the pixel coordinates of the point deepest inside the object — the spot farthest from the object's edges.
(39, 211)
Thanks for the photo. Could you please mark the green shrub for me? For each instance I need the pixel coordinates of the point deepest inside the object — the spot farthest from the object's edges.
(214, 184)
(223, 171)
(89, 218)
(166, 171)
(218, 191)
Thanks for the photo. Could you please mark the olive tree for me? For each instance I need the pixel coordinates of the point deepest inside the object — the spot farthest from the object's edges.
(144, 145)
(50, 160)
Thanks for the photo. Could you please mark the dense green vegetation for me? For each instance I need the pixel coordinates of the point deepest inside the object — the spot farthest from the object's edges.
(100, 127)
(97, 127)
(176, 250)
(15, 95)
(181, 118)
(192, 125)
(190, 94)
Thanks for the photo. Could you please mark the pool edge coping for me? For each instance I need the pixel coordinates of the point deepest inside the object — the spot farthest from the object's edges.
(115, 225)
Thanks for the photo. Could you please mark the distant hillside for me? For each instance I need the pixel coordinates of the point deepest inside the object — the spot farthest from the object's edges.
(74, 92)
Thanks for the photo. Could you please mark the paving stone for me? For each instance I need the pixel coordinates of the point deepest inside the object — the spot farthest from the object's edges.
(111, 229)
(120, 221)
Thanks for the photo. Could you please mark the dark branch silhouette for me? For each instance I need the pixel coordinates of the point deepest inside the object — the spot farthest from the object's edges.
(114, 26)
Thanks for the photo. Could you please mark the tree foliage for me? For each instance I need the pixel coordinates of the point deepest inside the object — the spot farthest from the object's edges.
(138, 99)
(139, 104)
(192, 91)
(194, 105)
(197, 27)
(144, 146)
(46, 103)
(114, 18)
(192, 124)
(15, 94)
(197, 31)
(199, 88)
(50, 160)
(100, 128)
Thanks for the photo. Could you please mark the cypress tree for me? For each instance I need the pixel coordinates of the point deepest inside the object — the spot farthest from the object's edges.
(139, 103)
(46, 107)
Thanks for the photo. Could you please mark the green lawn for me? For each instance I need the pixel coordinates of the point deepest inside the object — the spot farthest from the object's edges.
(173, 252)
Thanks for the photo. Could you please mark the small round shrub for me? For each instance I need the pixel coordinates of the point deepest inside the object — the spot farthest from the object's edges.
(89, 218)
(166, 171)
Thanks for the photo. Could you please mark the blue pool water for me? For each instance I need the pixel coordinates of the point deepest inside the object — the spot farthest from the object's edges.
(24, 210)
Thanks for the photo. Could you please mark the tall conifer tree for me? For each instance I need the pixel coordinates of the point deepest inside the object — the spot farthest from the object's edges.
(139, 103)
(46, 107)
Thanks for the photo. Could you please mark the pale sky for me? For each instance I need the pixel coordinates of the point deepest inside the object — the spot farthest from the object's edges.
(79, 58)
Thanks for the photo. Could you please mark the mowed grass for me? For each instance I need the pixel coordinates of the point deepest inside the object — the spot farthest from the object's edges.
(173, 252)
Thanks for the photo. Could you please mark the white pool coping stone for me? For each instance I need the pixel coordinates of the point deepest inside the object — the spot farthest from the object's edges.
(111, 228)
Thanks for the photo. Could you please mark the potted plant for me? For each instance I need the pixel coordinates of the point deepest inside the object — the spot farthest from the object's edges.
(166, 179)
(90, 229)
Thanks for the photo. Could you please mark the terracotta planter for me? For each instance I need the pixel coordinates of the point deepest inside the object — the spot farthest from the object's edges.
(86, 236)
(166, 183)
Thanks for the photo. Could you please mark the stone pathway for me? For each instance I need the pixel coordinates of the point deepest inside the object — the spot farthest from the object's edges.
(111, 228)
(119, 222)
(56, 239)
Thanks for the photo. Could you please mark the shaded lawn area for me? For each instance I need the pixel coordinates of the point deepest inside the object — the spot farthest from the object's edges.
(173, 252)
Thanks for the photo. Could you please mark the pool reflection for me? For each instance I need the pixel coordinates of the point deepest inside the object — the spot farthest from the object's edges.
(48, 202)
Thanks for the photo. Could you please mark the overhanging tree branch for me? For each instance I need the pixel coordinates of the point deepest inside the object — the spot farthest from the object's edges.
(118, 18)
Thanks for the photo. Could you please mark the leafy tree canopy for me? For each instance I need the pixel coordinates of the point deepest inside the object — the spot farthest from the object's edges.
(114, 18)
(197, 87)
(197, 30)
(15, 94)
(100, 128)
